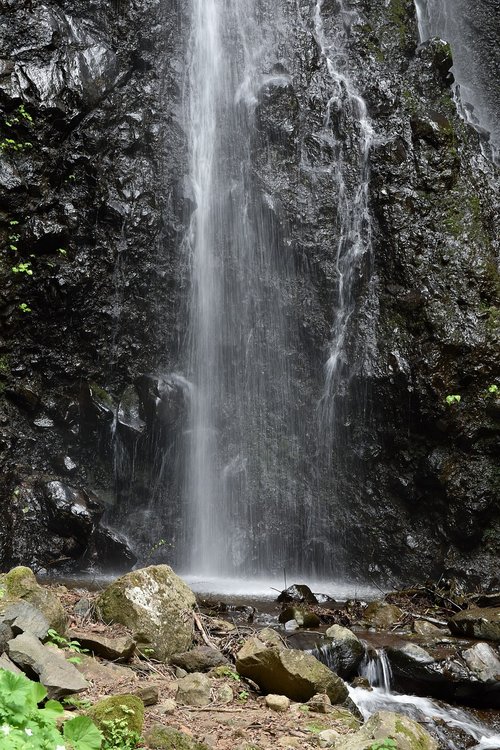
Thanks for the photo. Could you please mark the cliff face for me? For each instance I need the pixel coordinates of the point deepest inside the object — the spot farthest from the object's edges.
(94, 207)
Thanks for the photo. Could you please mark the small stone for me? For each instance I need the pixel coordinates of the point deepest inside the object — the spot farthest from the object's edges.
(483, 662)
(83, 608)
(289, 743)
(125, 708)
(147, 692)
(199, 659)
(279, 703)
(320, 704)
(224, 694)
(268, 635)
(180, 673)
(167, 707)
(114, 649)
(427, 629)
(382, 615)
(194, 690)
(328, 738)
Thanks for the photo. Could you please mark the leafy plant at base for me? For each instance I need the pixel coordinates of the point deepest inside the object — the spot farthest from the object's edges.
(118, 735)
(25, 726)
(386, 744)
(24, 307)
(61, 642)
(453, 398)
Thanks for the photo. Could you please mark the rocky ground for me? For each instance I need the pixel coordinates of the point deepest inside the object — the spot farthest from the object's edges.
(212, 682)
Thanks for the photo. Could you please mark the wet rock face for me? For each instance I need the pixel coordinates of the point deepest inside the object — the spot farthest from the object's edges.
(93, 211)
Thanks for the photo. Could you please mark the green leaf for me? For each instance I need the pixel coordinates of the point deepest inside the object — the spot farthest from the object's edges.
(82, 733)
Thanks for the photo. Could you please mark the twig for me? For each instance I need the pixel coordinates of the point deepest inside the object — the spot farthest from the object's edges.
(203, 633)
(213, 709)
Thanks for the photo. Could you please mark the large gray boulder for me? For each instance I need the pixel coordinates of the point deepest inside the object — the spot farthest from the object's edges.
(406, 733)
(483, 663)
(296, 674)
(155, 605)
(59, 676)
(23, 617)
(478, 623)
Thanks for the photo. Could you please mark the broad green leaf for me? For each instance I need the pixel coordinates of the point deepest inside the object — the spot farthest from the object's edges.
(82, 733)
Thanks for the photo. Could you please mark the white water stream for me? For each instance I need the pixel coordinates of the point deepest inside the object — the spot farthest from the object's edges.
(431, 715)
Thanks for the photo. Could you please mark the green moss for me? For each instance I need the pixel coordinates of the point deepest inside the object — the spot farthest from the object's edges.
(416, 742)
(397, 14)
(167, 738)
(119, 708)
(20, 582)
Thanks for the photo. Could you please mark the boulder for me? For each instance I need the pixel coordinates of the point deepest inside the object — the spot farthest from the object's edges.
(296, 674)
(299, 592)
(345, 651)
(302, 616)
(406, 733)
(155, 605)
(199, 659)
(223, 693)
(278, 703)
(20, 584)
(5, 635)
(194, 690)
(23, 617)
(115, 649)
(6, 663)
(478, 623)
(382, 615)
(59, 676)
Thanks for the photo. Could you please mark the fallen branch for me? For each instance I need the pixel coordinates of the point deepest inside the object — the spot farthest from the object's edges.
(203, 633)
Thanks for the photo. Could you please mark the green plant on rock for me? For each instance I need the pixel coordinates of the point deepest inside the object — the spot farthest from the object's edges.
(61, 642)
(24, 307)
(492, 391)
(23, 268)
(26, 726)
(453, 398)
(386, 744)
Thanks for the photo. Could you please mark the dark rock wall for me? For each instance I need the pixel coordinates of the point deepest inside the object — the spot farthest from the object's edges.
(96, 181)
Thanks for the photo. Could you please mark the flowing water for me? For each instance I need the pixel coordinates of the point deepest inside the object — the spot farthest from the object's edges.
(440, 719)
(246, 505)
(242, 430)
(472, 28)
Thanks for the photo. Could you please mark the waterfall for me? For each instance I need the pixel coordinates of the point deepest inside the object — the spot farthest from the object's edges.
(471, 27)
(247, 507)
(242, 442)
(377, 669)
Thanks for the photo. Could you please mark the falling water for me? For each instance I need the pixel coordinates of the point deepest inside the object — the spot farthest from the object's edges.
(242, 438)
(350, 136)
(472, 28)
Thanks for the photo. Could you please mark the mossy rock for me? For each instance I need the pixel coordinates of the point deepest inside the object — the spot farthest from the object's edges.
(155, 605)
(160, 737)
(20, 584)
(406, 733)
(119, 708)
